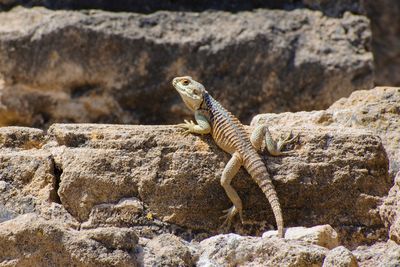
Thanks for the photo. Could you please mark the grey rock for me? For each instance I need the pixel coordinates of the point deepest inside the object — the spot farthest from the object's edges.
(321, 235)
(235, 250)
(97, 66)
(381, 254)
(167, 250)
(385, 26)
(340, 257)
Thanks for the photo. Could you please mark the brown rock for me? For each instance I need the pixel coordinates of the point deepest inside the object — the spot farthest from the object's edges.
(390, 210)
(177, 177)
(375, 110)
(95, 66)
(27, 181)
(385, 26)
(30, 240)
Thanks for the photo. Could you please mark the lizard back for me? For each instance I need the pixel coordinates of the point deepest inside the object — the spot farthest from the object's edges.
(230, 135)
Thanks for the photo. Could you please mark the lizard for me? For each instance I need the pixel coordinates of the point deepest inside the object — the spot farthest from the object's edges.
(231, 136)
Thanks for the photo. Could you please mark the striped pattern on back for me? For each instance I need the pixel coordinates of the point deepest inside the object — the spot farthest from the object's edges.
(229, 132)
(230, 135)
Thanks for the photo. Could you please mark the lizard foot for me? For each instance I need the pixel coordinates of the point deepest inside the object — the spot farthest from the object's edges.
(188, 126)
(283, 141)
(230, 214)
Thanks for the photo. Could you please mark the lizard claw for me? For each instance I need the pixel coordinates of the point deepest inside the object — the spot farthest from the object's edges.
(188, 126)
(230, 214)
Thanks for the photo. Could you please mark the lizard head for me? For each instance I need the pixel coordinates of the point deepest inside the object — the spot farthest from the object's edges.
(192, 92)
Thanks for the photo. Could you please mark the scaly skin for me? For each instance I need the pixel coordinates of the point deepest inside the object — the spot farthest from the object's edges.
(230, 135)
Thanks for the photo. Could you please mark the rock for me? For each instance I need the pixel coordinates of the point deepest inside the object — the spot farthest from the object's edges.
(330, 170)
(235, 250)
(340, 257)
(29, 240)
(375, 110)
(28, 179)
(110, 66)
(331, 8)
(167, 250)
(21, 137)
(321, 235)
(385, 26)
(381, 254)
(390, 210)
(114, 237)
(126, 212)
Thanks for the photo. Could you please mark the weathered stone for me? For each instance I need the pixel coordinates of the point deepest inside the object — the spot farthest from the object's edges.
(235, 250)
(321, 235)
(21, 137)
(124, 213)
(331, 8)
(114, 237)
(30, 240)
(340, 257)
(385, 26)
(166, 250)
(98, 66)
(177, 177)
(375, 110)
(380, 254)
(390, 210)
(28, 180)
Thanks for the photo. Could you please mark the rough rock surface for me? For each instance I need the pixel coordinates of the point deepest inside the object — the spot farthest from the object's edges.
(381, 254)
(167, 250)
(136, 195)
(377, 111)
(384, 16)
(149, 163)
(321, 235)
(29, 240)
(96, 66)
(340, 257)
(238, 250)
(390, 210)
(385, 26)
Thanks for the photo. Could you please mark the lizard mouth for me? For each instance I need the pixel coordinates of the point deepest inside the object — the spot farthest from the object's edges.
(174, 82)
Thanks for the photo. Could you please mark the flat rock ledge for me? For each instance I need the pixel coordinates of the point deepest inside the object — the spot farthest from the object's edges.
(120, 195)
(104, 194)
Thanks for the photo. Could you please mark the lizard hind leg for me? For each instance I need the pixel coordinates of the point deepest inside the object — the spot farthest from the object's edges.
(261, 133)
(231, 168)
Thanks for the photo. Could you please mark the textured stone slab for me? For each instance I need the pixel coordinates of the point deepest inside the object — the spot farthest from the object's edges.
(96, 66)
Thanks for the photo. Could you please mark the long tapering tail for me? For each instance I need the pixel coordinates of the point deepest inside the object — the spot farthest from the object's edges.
(269, 190)
(259, 173)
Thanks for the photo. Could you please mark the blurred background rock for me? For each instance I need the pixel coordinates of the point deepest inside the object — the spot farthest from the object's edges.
(76, 61)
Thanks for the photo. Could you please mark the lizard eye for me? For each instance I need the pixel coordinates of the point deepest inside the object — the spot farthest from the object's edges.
(185, 82)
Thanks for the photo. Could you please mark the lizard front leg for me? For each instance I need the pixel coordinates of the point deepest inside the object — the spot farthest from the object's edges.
(202, 126)
(231, 168)
(273, 147)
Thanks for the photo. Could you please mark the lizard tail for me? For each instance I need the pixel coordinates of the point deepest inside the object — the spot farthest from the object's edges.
(258, 171)
(269, 190)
